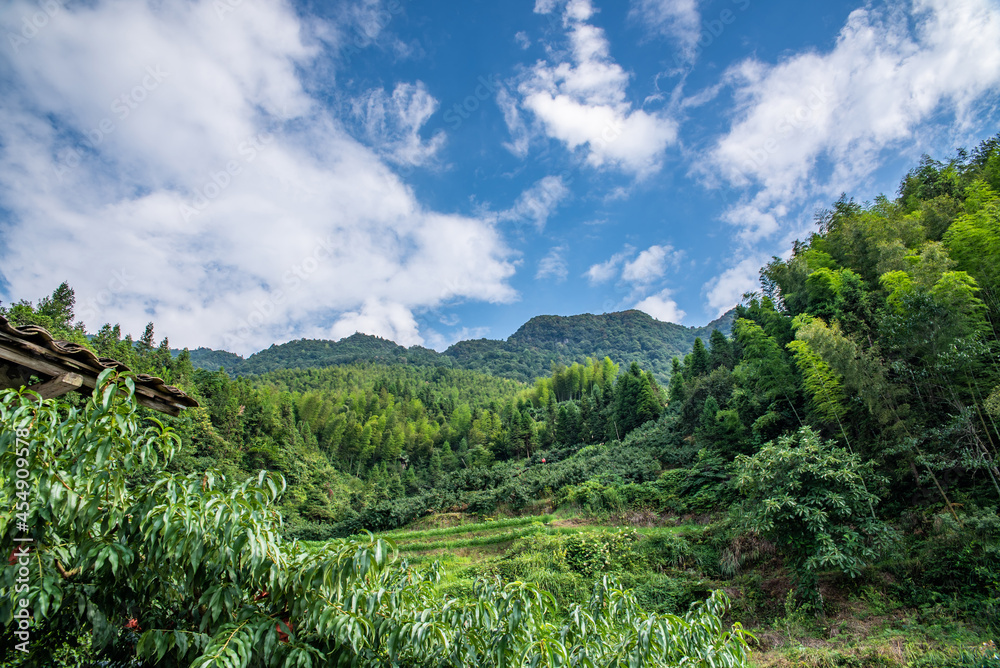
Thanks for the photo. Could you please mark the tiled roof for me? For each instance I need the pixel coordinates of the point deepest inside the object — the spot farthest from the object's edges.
(52, 357)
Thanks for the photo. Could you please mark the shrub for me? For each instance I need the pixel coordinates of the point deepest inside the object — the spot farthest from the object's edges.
(663, 593)
(669, 551)
(812, 501)
(593, 552)
(957, 565)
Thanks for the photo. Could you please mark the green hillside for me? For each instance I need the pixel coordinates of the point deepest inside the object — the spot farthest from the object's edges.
(316, 353)
(213, 360)
(625, 337)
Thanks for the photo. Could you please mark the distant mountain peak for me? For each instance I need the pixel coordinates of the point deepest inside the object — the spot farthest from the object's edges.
(624, 336)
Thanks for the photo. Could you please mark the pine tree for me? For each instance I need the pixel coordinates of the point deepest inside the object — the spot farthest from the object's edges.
(648, 407)
(699, 359)
(145, 344)
(720, 351)
(676, 388)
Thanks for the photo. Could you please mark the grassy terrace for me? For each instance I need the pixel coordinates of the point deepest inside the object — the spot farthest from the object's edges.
(496, 532)
(865, 628)
(491, 525)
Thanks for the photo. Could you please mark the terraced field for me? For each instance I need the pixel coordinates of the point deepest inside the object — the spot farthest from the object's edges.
(469, 543)
(668, 568)
(490, 537)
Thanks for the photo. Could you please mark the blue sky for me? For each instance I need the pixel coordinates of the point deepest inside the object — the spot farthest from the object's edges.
(244, 172)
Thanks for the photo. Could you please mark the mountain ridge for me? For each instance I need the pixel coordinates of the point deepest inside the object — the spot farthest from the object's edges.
(528, 353)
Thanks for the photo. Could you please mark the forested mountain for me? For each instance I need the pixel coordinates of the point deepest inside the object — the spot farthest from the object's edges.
(212, 360)
(317, 353)
(528, 354)
(626, 337)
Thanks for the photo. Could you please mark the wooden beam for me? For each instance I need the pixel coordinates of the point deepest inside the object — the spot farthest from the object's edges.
(42, 366)
(157, 405)
(49, 363)
(11, 376)
(58, 386)
(44, 358)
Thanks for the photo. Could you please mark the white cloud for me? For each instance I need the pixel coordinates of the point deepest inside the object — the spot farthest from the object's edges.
(580, 100)
(291, 227)
(816, 124)
(522, 39)
(605, 271)
(726, 290)
(545, 6)
(650, 264)
(519, 133)
(538, 202)
(662, 307)
(553, 265)
(754, 220)
(391, 320)
(441, 342)
(391, 123)
(366, 22)
(678, 20)
(646, 268)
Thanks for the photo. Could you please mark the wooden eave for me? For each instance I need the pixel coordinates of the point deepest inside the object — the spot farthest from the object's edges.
(68, 366)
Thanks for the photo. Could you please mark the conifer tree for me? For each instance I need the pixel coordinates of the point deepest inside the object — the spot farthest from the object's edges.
(699, 359)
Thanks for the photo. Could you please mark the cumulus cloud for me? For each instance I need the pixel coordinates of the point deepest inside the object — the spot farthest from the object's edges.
(817, 123)
(440, 341)
(171, 165)
(580, 100)
(391, 123)
(393, 321)
(538, 202)
(726, 290)
(662, 307)
(645, 268)
(650, 264)
(553, 265)
(603, 272)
